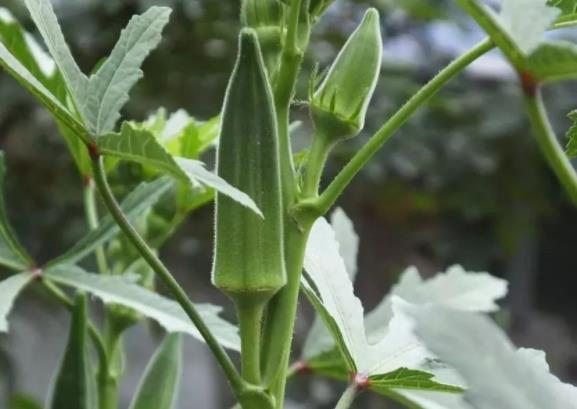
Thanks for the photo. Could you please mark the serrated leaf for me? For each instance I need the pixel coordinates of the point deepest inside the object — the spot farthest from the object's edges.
(169, 314)
(456, 288)
(504, 378)
(409, 379)
(571, 135)
(72, 387)
(10, 288)
(139, 145)
(554, 61)
(108, 88)
(45, 19)
(159, 386)
(12, 253)
(336, 299)
(141, 198)
(15, 68)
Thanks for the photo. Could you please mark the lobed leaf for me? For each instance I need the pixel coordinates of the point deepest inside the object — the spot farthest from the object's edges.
(141, 198)
(108, 88)
(168, 313)
(12, 253)
(158, 388)
(139, 145)
(10, 288)
(405, 378)
(504, 378)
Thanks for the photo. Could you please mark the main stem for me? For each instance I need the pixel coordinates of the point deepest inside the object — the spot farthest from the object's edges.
(549, 144)
(158, 267)
(92, 221)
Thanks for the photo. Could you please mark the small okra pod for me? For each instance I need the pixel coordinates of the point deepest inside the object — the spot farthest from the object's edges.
(339, 105)
(249, 262)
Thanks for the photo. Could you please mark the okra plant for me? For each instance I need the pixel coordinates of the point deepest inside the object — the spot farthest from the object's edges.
(428, 343)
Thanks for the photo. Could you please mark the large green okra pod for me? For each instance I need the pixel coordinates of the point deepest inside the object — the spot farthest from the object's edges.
(249, 262)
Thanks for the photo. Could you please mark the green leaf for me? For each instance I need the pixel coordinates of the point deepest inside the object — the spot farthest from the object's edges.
(138, 145)
(572, 135)
(566, 6)
(43, 15)
(503, 377)
(108, 88)
(159, 386)
(15, 68)
(10, 288)
(554, 61)
(12, 254)
(168, 313)
(23, 402)
(409, 379)
(72, 387)
(140, 199)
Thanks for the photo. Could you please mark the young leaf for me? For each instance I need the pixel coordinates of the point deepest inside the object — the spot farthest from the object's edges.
(12, 254)
(455, 288)
(72, 387)
(554, 61)
(10, 288)
(409, 379)
(159, 386)
(43, 15)
(504, 378)
(108, 88)
(139, 145)
(141, 198)
(117, 290)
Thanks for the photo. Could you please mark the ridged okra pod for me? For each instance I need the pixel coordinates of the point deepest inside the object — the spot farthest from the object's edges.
(249, 262)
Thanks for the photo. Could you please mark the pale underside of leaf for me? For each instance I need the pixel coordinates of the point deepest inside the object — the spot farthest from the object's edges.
(108, 88)
(497, 376)
(139, 145)
(166, 312)
(140, 199)
(10, 288)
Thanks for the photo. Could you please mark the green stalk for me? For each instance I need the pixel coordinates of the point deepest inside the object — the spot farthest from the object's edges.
(552, 150)
(250, 319)
(91, 213)
(348, 397)
(358, 162)
(318, 156)
(158, 267)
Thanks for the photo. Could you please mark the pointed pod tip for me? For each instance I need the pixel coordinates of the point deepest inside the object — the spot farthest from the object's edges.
(371, 16)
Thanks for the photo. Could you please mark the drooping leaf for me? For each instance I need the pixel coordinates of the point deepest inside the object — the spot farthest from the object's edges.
(159, 385)
(15, 68)
(12, 253)
(108, 88)
(332, 294)
(168, 313)
(456, 289)
(504, 378)
(45, 19)
(10, 288)
(73, 385)
(143, 197)
(554, 61)
(138, 145)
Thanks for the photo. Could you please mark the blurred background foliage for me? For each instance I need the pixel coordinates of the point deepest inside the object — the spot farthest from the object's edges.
(463, 182)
